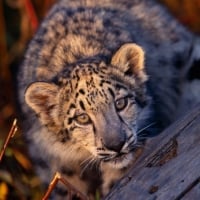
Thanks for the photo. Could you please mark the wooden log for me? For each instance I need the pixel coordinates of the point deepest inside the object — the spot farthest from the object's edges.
(194, 193)
(169, 168)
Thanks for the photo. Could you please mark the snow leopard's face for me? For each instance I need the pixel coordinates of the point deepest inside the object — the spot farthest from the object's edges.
(95, 109)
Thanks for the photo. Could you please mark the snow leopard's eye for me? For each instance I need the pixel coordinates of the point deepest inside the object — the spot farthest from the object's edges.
(121, 103)
(83, 119)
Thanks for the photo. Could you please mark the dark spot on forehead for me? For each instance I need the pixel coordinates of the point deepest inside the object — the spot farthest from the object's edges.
(82, 105)
(81, 91)
(87, 99)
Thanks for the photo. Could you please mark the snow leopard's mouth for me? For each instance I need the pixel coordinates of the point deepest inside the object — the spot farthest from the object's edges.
(122, 159)
(119, 160)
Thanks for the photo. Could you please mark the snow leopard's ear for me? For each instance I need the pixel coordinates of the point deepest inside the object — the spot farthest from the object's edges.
(129, 58)
(42, 97)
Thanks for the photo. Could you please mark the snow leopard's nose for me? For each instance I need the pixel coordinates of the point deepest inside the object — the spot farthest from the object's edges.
(110, 130)
(114, 141)
(115, 145)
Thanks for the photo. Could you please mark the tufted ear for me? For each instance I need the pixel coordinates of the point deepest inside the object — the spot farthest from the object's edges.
(130, 59)
(42, 98)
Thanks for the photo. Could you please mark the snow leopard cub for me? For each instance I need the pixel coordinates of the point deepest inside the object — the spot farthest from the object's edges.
(97, 79)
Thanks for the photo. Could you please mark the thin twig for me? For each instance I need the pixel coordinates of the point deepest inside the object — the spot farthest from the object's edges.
(51, 186)
(11, 134)
(70, 188)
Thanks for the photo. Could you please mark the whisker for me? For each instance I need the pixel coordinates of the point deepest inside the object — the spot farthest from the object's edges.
(153, 123)
(95, 164)
(90, 163)
(86, 163)
(85, 167)
(86, 160)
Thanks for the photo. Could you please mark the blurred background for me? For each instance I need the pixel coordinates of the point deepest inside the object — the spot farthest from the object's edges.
(19, 20)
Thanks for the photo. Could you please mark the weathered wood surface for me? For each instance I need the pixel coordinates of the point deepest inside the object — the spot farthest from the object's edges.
(169, 168)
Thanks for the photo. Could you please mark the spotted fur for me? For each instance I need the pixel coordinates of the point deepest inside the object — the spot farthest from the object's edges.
(98, 78)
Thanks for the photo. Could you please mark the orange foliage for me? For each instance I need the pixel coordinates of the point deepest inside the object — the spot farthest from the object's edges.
(187, 12)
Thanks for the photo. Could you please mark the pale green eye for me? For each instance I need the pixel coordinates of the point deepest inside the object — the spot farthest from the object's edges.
(83, 119)
(120, 104)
